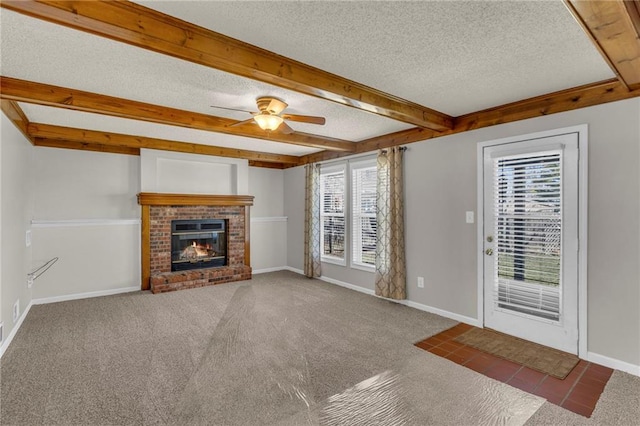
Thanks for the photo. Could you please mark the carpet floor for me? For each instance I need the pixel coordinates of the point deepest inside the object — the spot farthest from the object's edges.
(279, 349)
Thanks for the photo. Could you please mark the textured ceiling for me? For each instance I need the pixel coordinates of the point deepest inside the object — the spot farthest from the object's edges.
(455, 57)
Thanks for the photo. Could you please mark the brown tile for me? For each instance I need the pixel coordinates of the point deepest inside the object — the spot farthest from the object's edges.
(551, 396)
(529, 375)
(481, 362)
(451, 346)
(435, 340)
(597, 368)
(502, 370)
(556, 385)
(521, 384)
(464, 327)
(592, 381)
(439, 351)
(577, 408)
(452, 333)
(455, 357)
(596, 372)
(467, 352)
(424, 345)
(585, 395)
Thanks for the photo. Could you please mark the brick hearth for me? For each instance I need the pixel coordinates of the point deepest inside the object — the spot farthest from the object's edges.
(158, 212)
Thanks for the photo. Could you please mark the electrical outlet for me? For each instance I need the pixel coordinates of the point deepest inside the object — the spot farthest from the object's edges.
(420, 282)
(16, 311)
(29, 280)
(469, 217)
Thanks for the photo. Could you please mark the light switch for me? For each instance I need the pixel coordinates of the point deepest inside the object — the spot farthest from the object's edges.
(470, 218)
(27, 238)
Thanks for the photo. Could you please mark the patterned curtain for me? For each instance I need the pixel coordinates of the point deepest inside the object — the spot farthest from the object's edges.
(390, 259)
(312, 221)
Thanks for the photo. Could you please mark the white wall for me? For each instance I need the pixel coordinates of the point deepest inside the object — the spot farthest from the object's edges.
(86, 214)
(16, 177)
(440, 177)
(268, 224)
(181, 173)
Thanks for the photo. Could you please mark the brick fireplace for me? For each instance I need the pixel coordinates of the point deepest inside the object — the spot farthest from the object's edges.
(158, 212)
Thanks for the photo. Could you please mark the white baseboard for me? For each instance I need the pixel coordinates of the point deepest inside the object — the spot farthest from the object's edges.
(15, 329)
(297, 271)
(67, 297)
(451, 315)
(349, 286)
(614, 363)
(265, 270)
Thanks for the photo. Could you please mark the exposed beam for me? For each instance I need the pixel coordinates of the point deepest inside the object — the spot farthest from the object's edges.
(85, 146)
(612, 26)
(254, 163)
(78, 100)
(142, 27)
(14, 113)
(70, 137)
(565, 100)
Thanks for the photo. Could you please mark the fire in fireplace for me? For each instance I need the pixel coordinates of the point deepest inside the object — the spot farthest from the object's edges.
(198, 244)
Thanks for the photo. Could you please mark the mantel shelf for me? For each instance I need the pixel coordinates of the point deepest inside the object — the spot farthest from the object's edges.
(158, 199)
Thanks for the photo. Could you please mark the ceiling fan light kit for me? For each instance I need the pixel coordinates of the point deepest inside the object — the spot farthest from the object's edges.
(269, 118)
(268, 121)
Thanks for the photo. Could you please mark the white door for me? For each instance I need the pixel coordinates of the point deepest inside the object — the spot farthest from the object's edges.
(531, 240)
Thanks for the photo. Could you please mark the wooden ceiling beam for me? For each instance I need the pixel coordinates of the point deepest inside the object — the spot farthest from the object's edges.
(14, 113)
(146, 28)
(67, 137)
(60, 97)
(264, 164)
(565, 100)
(614, 28)
(85, 146)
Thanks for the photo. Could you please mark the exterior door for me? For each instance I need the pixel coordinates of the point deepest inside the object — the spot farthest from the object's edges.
(530, 268)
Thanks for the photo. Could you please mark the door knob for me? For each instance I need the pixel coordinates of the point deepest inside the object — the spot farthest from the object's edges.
(489, 251)
(490, 239)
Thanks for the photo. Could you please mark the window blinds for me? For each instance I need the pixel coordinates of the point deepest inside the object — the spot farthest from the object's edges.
(363, 220)
(332, 214)
(528, 233)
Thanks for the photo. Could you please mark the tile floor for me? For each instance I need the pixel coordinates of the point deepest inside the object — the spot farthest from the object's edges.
(578, 392)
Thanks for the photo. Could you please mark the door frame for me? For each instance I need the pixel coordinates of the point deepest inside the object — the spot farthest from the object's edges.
(583, 132)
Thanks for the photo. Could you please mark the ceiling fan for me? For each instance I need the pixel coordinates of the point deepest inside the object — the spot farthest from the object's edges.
(270, 116)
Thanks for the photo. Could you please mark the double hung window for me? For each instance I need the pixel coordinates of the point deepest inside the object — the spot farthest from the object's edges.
(348, 213)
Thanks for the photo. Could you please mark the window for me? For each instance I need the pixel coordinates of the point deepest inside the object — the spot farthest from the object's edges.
(332, 214)
(348, 208)
(363, 216)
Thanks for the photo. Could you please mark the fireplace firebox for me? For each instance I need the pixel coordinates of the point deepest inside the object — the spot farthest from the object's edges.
(198, 244)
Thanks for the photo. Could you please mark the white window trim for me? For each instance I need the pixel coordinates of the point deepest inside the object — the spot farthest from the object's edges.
(330, 169)
(346, 165)
(355, 165)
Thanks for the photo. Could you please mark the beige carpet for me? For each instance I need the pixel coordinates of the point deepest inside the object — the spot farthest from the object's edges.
(541, 358)
(277, 350)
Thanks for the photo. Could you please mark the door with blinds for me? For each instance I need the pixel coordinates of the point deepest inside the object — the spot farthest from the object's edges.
(531, 240)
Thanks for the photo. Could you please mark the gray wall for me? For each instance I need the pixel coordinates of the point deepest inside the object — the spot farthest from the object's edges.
(441, 179)
(16, 182)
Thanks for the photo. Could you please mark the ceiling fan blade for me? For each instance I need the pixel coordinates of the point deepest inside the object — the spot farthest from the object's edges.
(285, 128)
(231, 109)
(240, 123)
(304, 118)
(276, 106)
